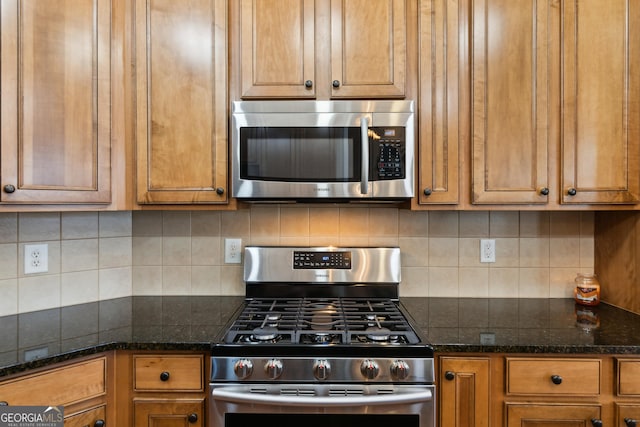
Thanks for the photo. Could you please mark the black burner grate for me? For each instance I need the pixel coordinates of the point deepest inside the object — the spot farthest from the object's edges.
(321, 321)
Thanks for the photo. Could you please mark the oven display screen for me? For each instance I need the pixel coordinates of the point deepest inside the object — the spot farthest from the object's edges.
(321, 420)
(303, 260)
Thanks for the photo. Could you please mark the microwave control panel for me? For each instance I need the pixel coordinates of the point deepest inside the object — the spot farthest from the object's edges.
(387, 152)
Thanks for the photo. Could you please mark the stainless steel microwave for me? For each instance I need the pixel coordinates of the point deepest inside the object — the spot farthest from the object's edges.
(322, 150)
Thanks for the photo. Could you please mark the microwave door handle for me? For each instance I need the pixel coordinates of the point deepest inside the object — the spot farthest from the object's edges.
(364, 177)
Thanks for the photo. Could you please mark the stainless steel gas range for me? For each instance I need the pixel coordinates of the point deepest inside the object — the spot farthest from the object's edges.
(322, 339)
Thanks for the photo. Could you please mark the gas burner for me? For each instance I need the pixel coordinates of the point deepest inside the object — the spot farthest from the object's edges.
(378, 333)
(321, 338)
(266, 333)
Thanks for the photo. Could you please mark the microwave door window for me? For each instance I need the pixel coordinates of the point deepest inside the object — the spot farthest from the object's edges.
(300, 154)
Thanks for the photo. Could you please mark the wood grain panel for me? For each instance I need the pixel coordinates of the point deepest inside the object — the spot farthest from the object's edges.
(510, 104)
(278, 50)
(56, 92)
(601, 101)
(439, 88)
(617, 258)
(87, 418)
(167, 413)
(368, 48)
(629, 377)
(550, 415)
(181, 101)
(464, 400)
(186, 373)
(62, 386)
(533, 376)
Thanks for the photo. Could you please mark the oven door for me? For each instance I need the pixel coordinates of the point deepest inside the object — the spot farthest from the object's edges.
(289, 405)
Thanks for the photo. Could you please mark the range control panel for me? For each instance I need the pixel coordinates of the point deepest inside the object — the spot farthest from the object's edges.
(303, 260)
(389, 155)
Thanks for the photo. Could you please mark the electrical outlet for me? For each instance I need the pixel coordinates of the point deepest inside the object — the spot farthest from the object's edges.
(232, 248)
(36, 258)
(487, 250)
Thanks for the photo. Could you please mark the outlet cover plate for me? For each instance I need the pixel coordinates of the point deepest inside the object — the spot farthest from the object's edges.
(36, 258)
(232, 251)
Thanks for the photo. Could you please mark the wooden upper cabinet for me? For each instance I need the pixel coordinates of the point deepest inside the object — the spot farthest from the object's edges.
(510, 103)
(277, 48)
(181, 116)
(56, 101)
(322, 48)
(368, 48)
(439, 102)
(601, 101)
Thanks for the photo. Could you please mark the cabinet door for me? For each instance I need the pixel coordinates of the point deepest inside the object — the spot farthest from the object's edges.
(55, 106)
(601, 102)
(550, 415)
(627, 414)
(277, 48)
(168, 413)
(510, 101)
(464, 392)
(368, 48)
(439, 127)
(181, 121)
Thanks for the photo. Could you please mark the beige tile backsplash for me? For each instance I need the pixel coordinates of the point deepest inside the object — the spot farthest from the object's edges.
(95, 256)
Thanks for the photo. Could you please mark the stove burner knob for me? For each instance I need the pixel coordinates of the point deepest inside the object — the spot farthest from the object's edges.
(369, 369)
(273, 368)
(321, 369)
(400, 369)
(243, 368)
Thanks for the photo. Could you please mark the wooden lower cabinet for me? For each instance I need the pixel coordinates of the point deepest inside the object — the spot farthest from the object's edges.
(464, 392)
(551, 415)
(81, 387)
(627, 414)
(537, 390)
(161, 389)
(168, 412)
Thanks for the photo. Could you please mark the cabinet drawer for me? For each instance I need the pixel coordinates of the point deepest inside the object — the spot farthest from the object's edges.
(59, 386)
(533, 376)
(87, 418)
(629, 377)
(168, 373)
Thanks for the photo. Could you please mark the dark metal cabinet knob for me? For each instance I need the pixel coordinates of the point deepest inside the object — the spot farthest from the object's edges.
(449, 376)
(9, 188)
(427, 191)
(308, 84)
(192, 418)
(544, 191)
(220, 191)
(164, 376)
(99, 423)
(556, 379)
(630, 422)
(336, 83)
(596, 422)
(572, 191)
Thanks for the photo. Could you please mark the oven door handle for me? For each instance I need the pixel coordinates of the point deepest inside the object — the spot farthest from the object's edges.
(418, 396)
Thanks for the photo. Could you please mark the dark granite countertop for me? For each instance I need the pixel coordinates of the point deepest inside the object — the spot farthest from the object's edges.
(36, 339)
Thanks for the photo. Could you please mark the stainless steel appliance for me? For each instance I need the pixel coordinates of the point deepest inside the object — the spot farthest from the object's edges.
(322, 150)
(322, 340)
